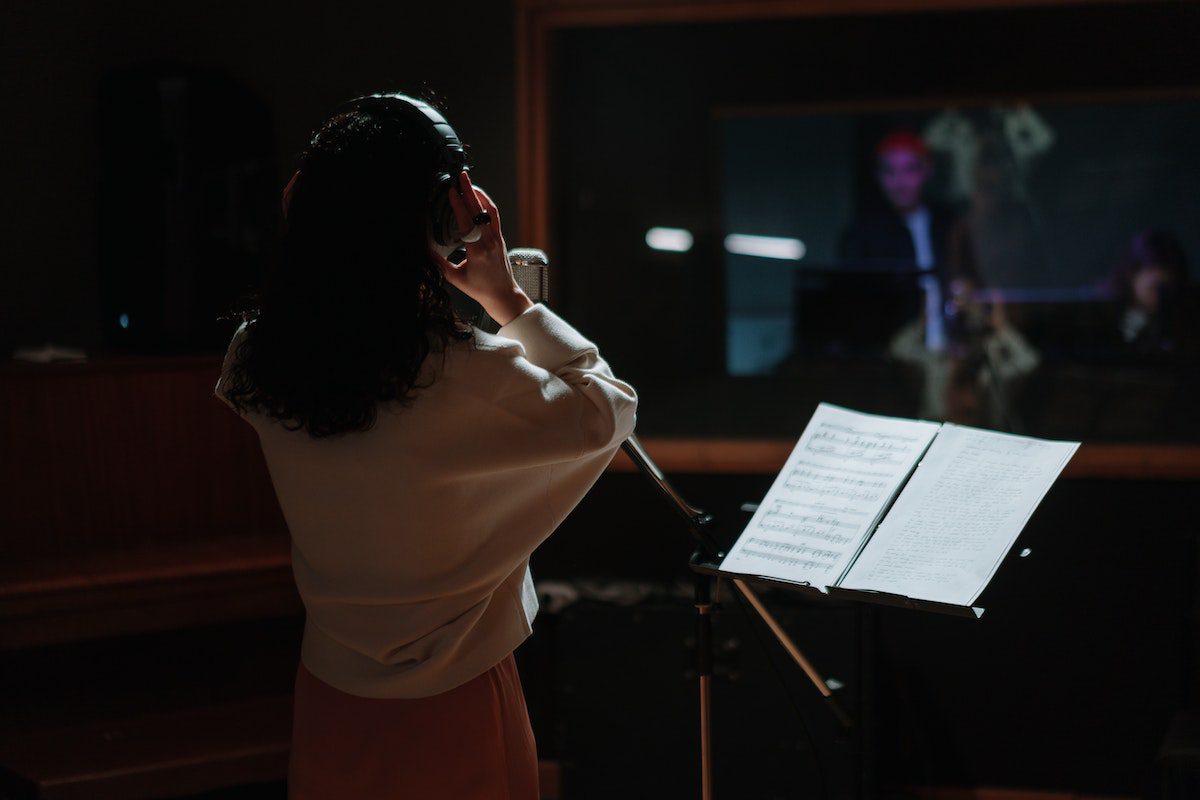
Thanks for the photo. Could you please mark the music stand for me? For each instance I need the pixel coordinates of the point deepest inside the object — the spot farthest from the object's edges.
(704, 565)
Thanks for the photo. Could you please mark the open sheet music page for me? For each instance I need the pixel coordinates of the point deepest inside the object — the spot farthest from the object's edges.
(837, 482)
(959, 514)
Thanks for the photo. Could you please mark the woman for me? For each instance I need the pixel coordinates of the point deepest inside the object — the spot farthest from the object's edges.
(418, 462)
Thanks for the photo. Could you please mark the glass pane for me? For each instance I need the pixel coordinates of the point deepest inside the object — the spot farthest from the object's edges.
(725, 219)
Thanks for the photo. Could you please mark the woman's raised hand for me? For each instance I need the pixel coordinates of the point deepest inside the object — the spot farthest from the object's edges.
(485, 274)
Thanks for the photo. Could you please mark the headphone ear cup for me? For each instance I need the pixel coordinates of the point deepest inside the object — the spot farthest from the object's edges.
(442, 222)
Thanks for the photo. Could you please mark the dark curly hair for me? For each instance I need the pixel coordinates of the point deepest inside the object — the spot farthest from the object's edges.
(354, 305)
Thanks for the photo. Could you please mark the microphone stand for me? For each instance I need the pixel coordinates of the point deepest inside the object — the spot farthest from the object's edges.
(531, 270)
(704, 562)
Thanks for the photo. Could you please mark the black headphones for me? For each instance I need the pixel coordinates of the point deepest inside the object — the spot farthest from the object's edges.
(447, 156)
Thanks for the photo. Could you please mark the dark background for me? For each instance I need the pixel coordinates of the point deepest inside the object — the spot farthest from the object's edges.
(1068, 683)
(300, 59)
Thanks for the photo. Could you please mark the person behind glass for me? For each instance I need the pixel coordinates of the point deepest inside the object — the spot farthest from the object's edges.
(418, 462)
(907, 233)
(998, 238)
(990, 360)
(1149, 286)
(977, 378)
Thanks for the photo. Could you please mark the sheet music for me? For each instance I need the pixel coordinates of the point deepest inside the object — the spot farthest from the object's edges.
(959, 515)
(840, 477)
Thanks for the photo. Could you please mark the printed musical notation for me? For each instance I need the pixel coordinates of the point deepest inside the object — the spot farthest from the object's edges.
(842, 482)
(787, 561)
(793, 549)
(833, 489)
(804, 473)
(830, 489)
(830, 528)
(857, 444)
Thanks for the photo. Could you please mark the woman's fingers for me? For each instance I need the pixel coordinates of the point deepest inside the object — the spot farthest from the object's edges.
(468, 194)
(442, 261)
(474, 207)
(462, 213)
(485, 275)
(456, 274)
(477, 202)
(489, 206)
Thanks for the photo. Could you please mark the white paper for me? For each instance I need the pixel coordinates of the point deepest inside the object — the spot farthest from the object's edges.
(840, 477)
(959, 515)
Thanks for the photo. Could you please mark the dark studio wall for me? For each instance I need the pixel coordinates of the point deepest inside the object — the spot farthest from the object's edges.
(1068, 682)
(300, 59)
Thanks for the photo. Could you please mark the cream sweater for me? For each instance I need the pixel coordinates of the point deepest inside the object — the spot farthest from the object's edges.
(411, 541)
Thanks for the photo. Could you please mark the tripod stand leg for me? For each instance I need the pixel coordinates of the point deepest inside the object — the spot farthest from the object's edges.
(704, 653)
(793, 651)
(705, 739)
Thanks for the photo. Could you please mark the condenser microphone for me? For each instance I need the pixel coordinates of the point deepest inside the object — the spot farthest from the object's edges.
(531, 269)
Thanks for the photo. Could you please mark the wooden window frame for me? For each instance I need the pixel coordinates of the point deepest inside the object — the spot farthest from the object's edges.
(536, 23)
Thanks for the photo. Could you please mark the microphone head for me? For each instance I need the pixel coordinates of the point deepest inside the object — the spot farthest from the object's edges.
(531, 269)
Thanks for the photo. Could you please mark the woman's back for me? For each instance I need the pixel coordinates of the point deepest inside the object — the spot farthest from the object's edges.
(411, 540)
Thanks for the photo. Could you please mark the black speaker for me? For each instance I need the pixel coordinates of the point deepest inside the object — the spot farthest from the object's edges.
(188, 210)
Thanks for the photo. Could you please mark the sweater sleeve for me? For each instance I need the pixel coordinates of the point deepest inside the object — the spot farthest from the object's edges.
(558, 399)
(548, 423)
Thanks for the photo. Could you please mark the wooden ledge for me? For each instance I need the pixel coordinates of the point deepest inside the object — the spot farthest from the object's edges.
(144, 565)
(135, 591)
(767, 456)
(592, 13)
(164, 754)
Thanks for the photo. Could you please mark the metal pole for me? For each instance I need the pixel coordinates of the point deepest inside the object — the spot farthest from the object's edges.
(783, 638)
(794, 652)
(704, 658)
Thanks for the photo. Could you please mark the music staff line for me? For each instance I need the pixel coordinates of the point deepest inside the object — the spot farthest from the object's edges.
(831, 451)
(860, 441)
(856, 432)
(856, 445)
(810, 533)
(799, 473)
(832, 491)
(832, 468)
(815, 519)
(796, 549)
(820, 508)
(788, 560)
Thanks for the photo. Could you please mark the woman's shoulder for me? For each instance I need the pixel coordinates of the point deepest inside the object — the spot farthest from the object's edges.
(494, 343)
(482, 345)
(480, 368)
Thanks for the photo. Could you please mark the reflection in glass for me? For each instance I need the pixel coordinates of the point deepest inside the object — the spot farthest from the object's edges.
(1026, 264)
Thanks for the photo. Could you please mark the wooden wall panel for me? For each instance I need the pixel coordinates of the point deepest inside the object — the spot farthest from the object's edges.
(124, 454)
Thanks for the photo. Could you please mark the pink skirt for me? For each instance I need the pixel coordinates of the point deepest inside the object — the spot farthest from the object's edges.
(470, 743)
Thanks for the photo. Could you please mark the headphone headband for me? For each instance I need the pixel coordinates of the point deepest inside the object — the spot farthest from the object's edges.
(449, 148)
(449, 155)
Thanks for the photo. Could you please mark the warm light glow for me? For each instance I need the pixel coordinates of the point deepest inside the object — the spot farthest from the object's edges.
(744, 244)
(676, 240)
